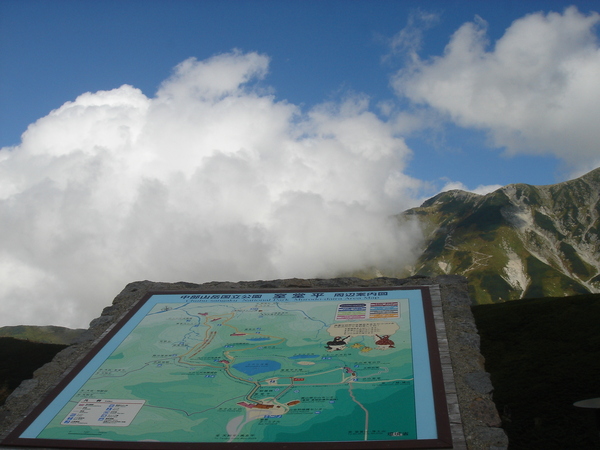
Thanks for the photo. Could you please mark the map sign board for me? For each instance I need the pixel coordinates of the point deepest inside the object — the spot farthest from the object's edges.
(341, 368)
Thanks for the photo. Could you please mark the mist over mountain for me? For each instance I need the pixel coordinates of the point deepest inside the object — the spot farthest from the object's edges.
(520, 241)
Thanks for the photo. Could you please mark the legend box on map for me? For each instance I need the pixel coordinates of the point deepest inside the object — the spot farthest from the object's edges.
(101, 412)
(368, 310)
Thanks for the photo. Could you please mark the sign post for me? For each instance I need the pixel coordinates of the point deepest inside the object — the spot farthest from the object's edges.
(337, 368)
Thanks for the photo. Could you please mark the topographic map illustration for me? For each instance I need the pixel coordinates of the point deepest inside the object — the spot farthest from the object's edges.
(272, 367)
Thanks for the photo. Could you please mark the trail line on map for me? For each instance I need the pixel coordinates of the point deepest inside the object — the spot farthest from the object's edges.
(303, 312)
(210, 335)
(189, 414)
(363, 408)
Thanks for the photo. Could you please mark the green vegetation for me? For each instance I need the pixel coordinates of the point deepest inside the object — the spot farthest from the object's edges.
(528, 194)
(546, 281)
(487, 217)
(545, 223)
(543, 355)
(520, 241)
(494, 285)
(19, 359)
(436, 247)
(45, 334)
(464, 259)
(456, 205)
(574, 261)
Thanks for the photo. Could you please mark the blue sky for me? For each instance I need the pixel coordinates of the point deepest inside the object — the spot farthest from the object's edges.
(275, 132)
(53, 51)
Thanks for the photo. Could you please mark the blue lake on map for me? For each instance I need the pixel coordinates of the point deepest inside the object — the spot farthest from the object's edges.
(257, 366)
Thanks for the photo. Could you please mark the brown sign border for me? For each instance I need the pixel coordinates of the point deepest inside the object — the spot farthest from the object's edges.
(444, 439)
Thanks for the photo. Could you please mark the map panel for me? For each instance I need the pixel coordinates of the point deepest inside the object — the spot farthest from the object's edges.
(255, 367)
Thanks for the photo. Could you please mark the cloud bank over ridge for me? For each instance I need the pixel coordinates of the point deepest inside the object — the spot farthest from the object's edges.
(211, 179)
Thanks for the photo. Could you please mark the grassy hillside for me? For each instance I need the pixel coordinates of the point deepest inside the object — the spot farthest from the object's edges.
(19, 359)
(45, 334)
(543, 355)
(520, 241)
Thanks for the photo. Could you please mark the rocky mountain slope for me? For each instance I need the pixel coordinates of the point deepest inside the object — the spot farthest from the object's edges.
(520, 241)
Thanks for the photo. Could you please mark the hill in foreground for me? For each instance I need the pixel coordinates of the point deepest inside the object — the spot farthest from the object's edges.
(543, 355)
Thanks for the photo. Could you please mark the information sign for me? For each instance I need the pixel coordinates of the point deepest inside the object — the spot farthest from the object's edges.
(356, 368)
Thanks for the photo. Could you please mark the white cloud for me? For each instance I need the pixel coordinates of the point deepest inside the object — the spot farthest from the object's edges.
(212, 179)
(536, 91)
(481, 189)
(409, 40)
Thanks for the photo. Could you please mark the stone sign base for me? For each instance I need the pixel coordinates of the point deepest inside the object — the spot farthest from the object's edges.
(474, 421)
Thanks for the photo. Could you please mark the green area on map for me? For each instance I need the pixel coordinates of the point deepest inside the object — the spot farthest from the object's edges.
(252, 372)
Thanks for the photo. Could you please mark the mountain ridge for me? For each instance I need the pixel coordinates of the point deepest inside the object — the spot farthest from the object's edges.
(520, 241)
(48, 334)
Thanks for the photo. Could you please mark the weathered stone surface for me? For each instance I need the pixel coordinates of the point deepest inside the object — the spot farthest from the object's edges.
(480, 382)
(489, 438)
(469, 339)
(25, 388)
(484, 412)
(474, 419)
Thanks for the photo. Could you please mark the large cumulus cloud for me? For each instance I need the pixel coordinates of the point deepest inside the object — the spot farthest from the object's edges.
(213, 178)
(535, 91)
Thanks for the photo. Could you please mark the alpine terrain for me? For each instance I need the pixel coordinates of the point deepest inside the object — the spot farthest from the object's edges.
(520, 241)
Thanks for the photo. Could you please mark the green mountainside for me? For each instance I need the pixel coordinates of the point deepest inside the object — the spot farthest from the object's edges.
(520, 241)
(42, 334)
